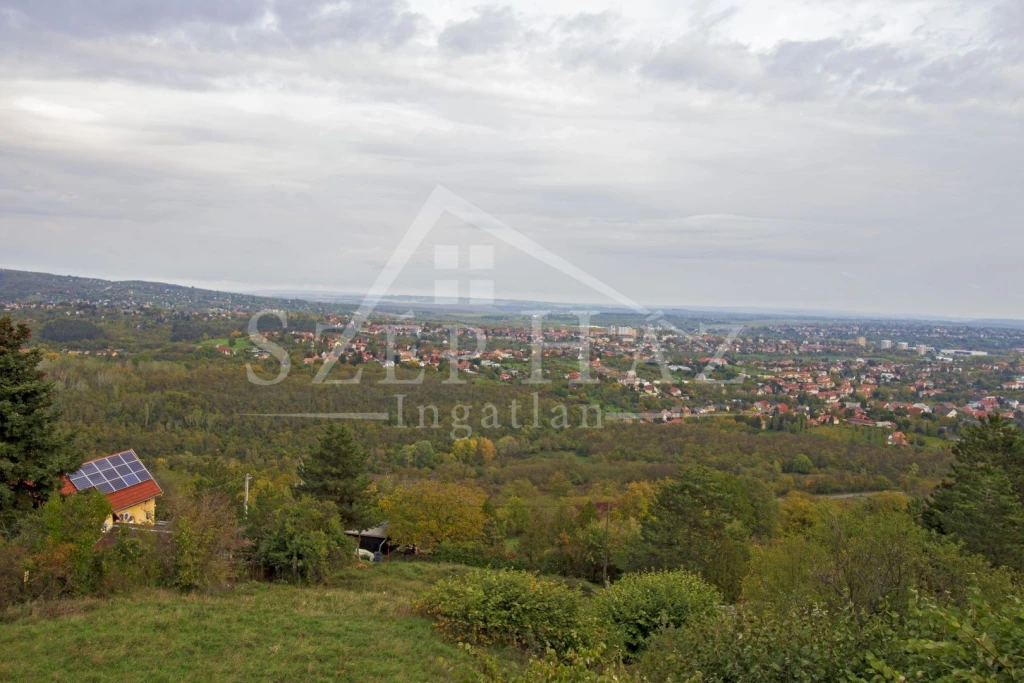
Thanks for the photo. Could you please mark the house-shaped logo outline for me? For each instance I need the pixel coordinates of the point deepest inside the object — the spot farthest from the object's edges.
(442, 201)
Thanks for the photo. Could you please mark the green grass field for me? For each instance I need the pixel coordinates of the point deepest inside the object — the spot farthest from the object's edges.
(241, 343)
(362, 630)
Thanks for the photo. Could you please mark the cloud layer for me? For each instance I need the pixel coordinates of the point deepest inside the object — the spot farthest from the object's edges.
(832, 155)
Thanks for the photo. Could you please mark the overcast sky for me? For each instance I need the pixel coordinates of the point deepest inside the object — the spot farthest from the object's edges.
(847, 155)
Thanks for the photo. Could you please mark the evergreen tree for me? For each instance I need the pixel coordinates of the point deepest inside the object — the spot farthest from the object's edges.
(34, 454)
(336, 471)
(982, 503)
(691, 527)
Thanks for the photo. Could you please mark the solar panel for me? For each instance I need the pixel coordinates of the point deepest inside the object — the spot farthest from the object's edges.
(110, 474)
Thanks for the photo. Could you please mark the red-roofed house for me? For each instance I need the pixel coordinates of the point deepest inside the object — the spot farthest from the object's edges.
(897, 439)
(126, 483)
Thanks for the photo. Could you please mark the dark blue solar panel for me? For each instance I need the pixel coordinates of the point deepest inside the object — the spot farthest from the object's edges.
(112, 473)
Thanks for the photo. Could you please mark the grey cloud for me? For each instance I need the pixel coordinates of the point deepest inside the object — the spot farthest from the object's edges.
(491, 30)
(219, 23)
(695, 61)
(901, 150)
(835, 62)
(1007, 22)
(385, 21)
(107, 17)
(837, 68)
(587, 22)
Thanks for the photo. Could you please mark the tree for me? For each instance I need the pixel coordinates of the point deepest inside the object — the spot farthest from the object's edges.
(485, 450)
(205, 536)
(426, 513)
(868, 556)
(336, 471)
(636, 500)
(802, 464)
(982, 503)
(63, 537)
(515, 516)
(690, 527)
(303, 540)
(34, 453)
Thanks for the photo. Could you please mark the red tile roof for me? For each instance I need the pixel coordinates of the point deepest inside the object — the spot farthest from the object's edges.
(132, 495)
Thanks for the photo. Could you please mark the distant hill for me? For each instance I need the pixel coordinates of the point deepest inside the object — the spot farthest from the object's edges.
(17, 286)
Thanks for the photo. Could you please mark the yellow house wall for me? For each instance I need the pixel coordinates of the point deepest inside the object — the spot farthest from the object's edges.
(142, 513)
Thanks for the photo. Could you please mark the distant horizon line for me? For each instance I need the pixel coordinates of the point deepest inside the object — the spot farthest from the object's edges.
(336, 296)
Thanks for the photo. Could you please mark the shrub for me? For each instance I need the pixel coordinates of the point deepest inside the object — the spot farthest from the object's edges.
(205, 536)
(62, 540)
(511, 607)
(303, 540)
(13, 559)
(137, 558)
(737, 645)
(638, 605)
(590, 665)
(866, 557)
(472, 555)
(931, 642)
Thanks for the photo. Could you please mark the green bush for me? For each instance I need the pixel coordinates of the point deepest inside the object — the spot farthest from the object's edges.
(638, 605)
(13, 559)
(205, 538)
(472, 555)
(930, 642)
(510, 607)
(138, 558)
(590, 665)
(302, 540)
(738, 645)
(62, 539)
(981, 642)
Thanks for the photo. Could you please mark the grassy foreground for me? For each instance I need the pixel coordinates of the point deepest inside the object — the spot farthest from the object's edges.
(363, 630)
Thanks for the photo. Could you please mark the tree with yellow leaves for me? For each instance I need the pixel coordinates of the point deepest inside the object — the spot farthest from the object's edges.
(426, 513)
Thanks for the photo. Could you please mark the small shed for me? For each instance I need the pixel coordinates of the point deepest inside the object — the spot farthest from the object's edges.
(375, 540)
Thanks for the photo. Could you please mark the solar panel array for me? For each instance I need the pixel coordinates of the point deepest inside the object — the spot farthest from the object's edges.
(112, 473)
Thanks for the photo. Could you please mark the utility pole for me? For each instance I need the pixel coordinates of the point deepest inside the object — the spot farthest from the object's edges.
(246, 504)
(607, 523)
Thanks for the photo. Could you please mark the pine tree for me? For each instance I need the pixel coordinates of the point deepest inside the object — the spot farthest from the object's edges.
(34, 453)
(982, 503)
(336, 471)
(691, 527)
